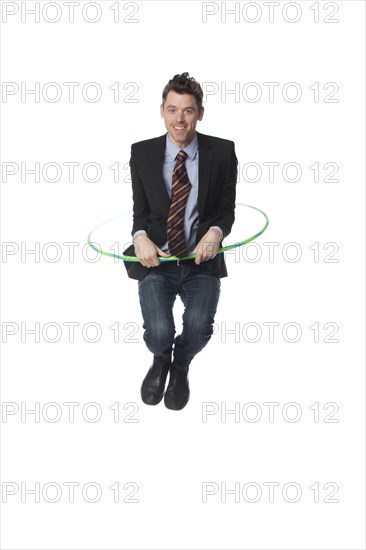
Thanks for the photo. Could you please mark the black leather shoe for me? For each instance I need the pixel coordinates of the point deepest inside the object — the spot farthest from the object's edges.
(153, 386)
(177, 393)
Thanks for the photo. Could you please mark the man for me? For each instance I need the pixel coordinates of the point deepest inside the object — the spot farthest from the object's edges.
(184, 185)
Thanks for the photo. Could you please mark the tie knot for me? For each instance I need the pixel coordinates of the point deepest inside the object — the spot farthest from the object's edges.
(182, 155)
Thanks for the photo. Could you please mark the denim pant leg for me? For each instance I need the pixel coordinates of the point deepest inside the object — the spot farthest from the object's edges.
(157, 295)
(200, 295)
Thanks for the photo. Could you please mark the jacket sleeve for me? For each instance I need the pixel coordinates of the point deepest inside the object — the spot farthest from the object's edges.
(228, 193)
(141, 209)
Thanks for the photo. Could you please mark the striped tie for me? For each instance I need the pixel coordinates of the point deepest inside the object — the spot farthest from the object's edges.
(181, 187)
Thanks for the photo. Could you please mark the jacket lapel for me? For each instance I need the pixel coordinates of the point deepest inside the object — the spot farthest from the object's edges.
(157, 171)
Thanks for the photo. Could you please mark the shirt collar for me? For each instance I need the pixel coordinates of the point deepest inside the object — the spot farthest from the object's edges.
(172, 149)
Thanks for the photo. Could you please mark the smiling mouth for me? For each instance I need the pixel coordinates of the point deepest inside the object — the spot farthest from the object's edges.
(179, 127)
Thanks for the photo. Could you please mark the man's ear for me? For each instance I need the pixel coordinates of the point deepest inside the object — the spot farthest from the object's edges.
(200, 113)
(162, 110)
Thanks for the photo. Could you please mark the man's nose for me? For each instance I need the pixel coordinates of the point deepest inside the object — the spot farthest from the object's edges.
(180, 116)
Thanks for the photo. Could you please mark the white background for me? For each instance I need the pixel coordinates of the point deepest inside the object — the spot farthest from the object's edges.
(170, 455)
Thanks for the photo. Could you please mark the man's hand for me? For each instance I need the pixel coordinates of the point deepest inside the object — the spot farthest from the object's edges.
(147, 252)
(208, 246)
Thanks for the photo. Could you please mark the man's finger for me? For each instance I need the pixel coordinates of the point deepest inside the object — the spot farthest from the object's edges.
(198, 257)
(161, 253)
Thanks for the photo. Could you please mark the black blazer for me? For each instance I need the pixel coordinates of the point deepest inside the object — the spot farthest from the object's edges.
(217, 175)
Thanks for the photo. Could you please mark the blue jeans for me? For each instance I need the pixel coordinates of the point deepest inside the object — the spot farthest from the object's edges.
(199, 291)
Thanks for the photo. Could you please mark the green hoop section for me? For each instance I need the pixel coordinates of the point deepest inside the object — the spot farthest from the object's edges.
(174, 258)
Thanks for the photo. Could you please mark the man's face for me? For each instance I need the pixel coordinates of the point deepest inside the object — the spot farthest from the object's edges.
(180, 113)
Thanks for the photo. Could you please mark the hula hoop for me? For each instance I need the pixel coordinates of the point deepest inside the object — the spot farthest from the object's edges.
(174, 258)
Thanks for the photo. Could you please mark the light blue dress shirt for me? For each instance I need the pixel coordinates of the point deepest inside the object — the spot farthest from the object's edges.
(191, 218)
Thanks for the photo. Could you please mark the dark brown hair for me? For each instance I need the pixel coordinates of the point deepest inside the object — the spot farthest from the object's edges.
(184, 84)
